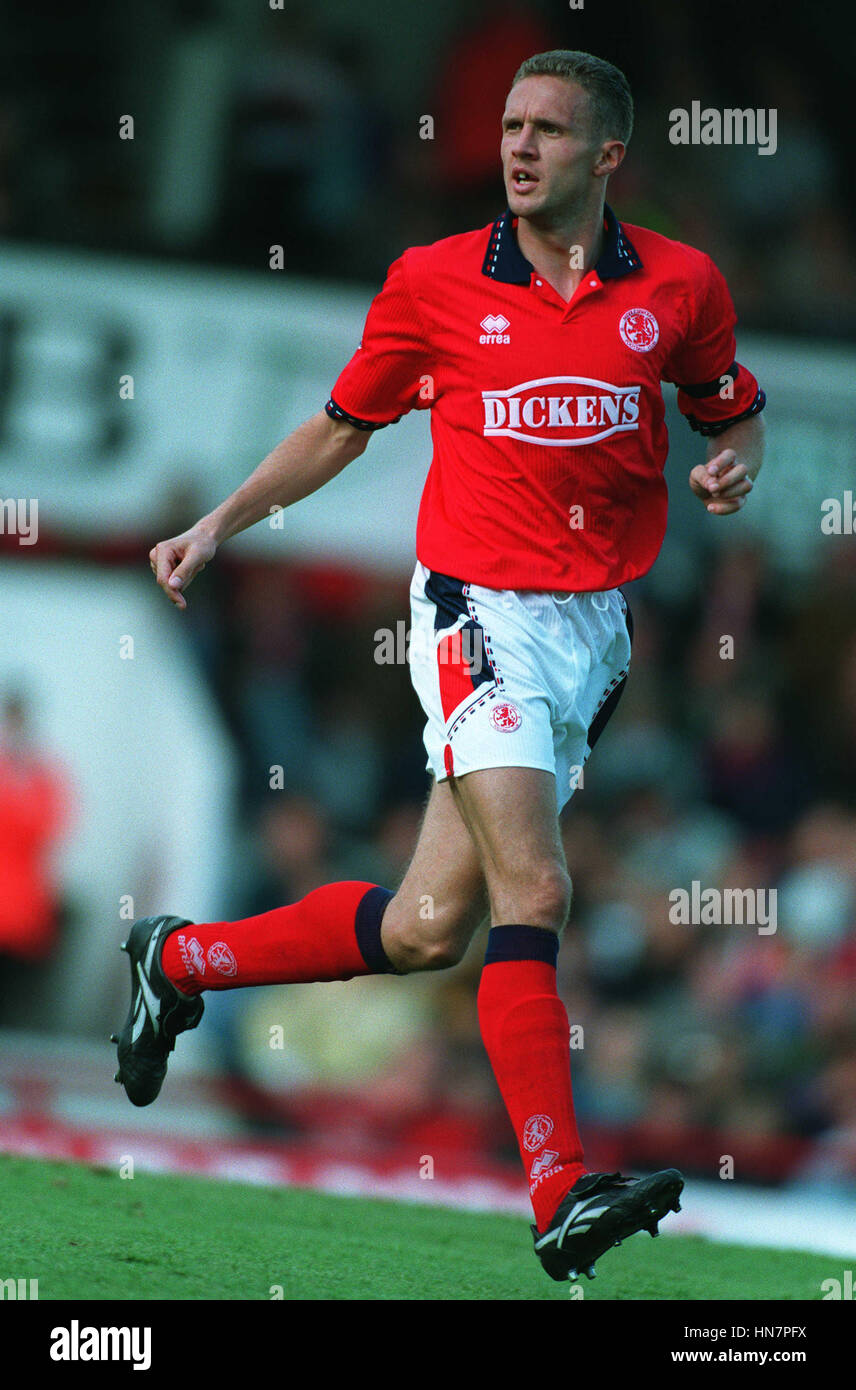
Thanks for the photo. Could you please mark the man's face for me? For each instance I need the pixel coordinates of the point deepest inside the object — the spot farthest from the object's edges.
(548, 147)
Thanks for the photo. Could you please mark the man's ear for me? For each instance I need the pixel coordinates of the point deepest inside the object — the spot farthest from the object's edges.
(611, 154)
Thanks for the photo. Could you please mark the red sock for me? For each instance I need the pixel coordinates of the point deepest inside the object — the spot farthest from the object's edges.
(524, 1027)
(331, 934)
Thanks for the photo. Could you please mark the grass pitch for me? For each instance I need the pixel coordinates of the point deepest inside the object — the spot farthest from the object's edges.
(85, 1233)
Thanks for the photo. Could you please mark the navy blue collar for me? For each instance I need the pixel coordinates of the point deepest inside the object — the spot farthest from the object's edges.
(505, 261)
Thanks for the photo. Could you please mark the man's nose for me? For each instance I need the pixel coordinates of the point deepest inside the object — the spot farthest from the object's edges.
(524, 142)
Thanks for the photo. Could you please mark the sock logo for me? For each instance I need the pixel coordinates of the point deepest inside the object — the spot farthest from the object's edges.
(192, 955)
(221, 959)
(536, 1132)
(196, 954)
(542, 1163)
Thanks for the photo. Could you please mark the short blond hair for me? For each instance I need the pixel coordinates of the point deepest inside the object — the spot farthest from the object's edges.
(610, 100)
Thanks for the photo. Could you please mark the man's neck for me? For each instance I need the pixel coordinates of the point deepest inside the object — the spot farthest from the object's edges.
(563, 254)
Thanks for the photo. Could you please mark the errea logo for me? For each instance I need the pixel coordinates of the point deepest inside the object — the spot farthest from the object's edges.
(494, 326)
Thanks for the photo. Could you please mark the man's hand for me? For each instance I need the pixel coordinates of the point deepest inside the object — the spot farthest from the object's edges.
(311, 455)
(176, 562)
(722, 483)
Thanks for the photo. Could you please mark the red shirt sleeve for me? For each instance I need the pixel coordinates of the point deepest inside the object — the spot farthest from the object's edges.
(714, 390)
(389, 374)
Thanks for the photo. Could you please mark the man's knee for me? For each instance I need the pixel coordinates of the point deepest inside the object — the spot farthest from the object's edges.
(541, 892)
(427, 953)
(435, 941)
(553, 893)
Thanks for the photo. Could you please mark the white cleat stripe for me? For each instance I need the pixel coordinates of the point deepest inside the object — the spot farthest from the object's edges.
(148, 997)
(547, 1239)
(153, 941)
(579, 1208)
(139, 1019)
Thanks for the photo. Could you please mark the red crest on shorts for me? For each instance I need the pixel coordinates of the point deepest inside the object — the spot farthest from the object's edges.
(506, 718)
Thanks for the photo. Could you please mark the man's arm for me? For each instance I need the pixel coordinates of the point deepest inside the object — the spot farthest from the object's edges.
(734, 460)
(307, 459)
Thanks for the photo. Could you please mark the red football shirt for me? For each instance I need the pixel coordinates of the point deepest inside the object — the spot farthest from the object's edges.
(547, 417)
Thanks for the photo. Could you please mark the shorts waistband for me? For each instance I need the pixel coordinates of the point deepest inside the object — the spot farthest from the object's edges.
(600, 600)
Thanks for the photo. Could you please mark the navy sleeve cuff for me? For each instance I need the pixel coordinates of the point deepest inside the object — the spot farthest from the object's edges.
(337, 413)
(714, 427)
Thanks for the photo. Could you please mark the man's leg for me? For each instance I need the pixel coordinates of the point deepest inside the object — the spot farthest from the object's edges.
(345, 929)
(442, 900)
(334, 933)
(512, 817)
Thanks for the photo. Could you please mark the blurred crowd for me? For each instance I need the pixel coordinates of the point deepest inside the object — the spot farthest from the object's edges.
(729, 764)
(285, 127)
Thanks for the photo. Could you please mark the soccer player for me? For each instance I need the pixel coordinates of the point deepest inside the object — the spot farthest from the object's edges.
(539, 344)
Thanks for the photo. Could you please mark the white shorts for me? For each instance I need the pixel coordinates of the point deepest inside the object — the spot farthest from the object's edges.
(515, 679)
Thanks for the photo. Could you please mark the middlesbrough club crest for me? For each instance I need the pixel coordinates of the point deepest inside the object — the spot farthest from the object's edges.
(536, 1132)
(505, 718)
(221, 959)
(639, 329)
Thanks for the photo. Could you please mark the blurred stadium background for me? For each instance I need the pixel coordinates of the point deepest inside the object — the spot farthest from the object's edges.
(138, 746)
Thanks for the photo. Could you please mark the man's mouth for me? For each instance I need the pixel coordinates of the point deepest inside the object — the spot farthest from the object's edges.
(521, 179)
